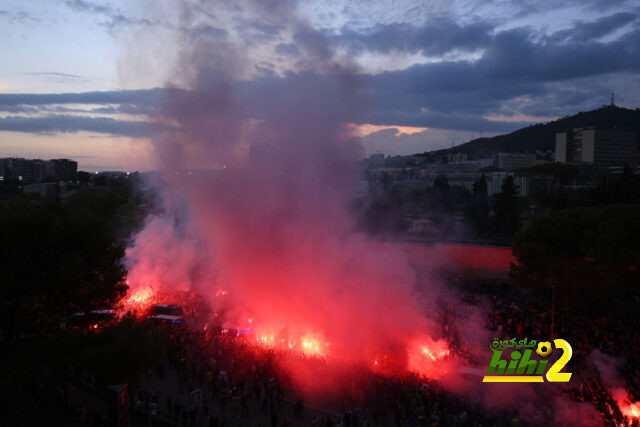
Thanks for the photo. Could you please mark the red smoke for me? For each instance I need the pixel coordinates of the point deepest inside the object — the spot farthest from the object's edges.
(257, 204)
(608, 368)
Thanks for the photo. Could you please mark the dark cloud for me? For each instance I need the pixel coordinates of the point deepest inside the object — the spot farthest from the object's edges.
(260, 30)
(105, 110)
(602, 5)
(119, 21)
(89, 7)
(287, 49)
(515, 55)
(392, 141)
(435, 37)
(148, 97)
(22, 109)
(508, 48)
(136, 102)
(207, 31)
(519, 71)
(523, 8)
(72, 124)
(116, 19)
(20, 17)
(54, 74)
(60, 77)
(456, 95)
(588, 31)
(441, 94)
(455, 121)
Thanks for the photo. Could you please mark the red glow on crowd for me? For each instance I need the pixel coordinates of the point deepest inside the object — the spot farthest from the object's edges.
(139, 299)
(308, 344)
(423, 356)
(631, 410)
(426, 357)
(627, 406)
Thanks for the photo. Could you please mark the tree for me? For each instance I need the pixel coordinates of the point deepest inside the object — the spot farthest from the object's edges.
(440, 205)
(441, 183)
(587, 253)
(121, 352)
(84, 177)
(100, 180)
(624, 188)
(478, 207)
(58, 256)
(560, 171)
(506, 207)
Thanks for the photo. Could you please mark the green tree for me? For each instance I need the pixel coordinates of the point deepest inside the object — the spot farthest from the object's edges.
(58, 256)
(441, 183)
(506, 207)
(587, 253)
(121, 352)
(84, 177)
(560, 171)
(477, 209)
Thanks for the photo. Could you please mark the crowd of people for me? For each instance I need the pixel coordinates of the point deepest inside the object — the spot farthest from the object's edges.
(241, 383)
(219, 377)
(514, 313)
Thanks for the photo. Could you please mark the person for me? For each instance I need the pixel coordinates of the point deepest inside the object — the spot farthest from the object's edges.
(244, 403)
(347, 417)
(298, 407)
(176, 412)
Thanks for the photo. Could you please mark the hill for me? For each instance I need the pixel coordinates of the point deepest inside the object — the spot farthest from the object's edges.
(541, 136)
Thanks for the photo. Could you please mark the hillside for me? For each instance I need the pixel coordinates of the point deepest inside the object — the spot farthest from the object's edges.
(542, 136)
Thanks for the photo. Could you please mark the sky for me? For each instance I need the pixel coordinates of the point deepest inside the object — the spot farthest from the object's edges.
(84, 78)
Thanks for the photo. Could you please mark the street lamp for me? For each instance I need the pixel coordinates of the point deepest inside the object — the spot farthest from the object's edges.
(553, 301)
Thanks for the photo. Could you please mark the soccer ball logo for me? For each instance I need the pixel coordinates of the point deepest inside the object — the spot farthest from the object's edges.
(544, 349)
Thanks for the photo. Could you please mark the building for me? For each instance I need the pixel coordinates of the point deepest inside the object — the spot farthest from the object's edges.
(513, 161)
(494, 181)
(43, 188)
(423, 227)
(456, 157)
(15, 168)
(605, 148)
(36, 170)
(458, 167)
(39, 170)
(62, 169)
(376, 159)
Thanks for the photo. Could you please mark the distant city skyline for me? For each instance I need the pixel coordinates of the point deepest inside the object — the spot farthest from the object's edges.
(82, 79)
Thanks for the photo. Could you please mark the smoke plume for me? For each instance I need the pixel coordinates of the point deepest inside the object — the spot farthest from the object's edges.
(257, 171)
(257, 192)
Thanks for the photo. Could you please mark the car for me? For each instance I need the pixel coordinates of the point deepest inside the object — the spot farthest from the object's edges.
(166, 313)
(92, 320)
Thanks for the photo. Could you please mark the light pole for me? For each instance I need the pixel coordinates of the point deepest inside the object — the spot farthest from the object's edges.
(553, 301)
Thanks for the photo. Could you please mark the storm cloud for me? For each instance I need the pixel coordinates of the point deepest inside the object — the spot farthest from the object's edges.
(435, 37)
(72, 124)
(477, 76)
